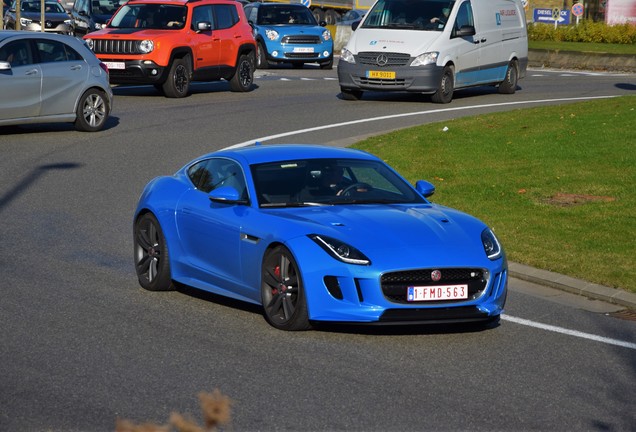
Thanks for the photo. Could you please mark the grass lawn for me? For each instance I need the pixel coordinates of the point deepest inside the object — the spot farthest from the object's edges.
(557, 184)
(624, 49)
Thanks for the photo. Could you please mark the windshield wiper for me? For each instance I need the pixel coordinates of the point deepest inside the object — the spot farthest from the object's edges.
(294, 204)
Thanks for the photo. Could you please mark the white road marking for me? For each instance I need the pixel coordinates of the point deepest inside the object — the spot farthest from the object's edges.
(568, 332)
(411, 114)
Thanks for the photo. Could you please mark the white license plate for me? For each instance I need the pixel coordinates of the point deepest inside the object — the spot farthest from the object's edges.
(115, 65)
(435, 293)
(303, 50)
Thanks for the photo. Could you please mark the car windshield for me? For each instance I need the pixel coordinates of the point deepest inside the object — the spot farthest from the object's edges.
(283, 14)
(49, 7)
(150, 16)
(319, 182)
(410, 14)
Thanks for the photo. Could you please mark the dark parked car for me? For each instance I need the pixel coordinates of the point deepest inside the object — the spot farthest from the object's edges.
(91, 15)
(47, 77)
(56, 19)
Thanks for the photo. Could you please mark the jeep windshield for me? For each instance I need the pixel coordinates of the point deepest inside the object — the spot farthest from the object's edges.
(150, 16)
(429, 15)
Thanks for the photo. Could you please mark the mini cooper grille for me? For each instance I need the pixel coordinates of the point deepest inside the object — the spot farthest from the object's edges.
(116, 46)
(301, 55)
(383, 59)
(301, 39)
(394, 285)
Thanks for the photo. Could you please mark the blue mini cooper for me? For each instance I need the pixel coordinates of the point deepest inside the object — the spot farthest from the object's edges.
(289, 33)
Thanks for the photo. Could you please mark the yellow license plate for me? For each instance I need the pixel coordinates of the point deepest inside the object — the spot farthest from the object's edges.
(381, 74)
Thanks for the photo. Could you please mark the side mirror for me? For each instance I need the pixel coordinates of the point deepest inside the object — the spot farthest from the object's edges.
(355, 24)
(226, 195)
(425, 188)
(466, 30)
(204, 26)
(4, 65)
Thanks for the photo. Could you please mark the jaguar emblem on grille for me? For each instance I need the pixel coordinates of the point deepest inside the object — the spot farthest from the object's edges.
(436, 275)
(382, 60)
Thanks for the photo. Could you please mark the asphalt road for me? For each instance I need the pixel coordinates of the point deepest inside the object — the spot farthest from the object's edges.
(83, 345)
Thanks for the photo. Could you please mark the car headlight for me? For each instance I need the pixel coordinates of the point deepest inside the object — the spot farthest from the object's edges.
(271, 34)
(25, 22)
(90, 43)
(146, 46)
(347, 56)
(491, 244)
(326, 35)
(99, 26)
(425, 59)
(340, 250)
(67, 22)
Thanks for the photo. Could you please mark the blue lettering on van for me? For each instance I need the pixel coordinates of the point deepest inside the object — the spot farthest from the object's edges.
(373, 42)
(498, 18)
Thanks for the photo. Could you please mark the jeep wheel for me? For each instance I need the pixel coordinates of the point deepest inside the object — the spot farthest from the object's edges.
(243, 76)
(178, 82)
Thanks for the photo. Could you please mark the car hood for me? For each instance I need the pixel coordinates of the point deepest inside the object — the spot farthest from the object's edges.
(397, 41)
(293, 29)
(397, 228)
(136, 33)
(35, 16)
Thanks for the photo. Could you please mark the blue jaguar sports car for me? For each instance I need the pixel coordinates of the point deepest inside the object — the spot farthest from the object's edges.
(317, 233)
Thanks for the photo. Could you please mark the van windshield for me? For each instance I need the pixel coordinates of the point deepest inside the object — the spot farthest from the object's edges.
(431, 15)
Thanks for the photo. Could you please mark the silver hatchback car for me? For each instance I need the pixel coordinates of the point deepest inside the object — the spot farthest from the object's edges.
(47, 78)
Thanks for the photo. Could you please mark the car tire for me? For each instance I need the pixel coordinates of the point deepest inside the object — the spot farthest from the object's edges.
(152, 260)
(92, 111)
(178, 83)
(350, 95)
(509, 84)
(327, 64)
(332, 17)
(243, 77)
(282, 291)
(261, 57)
(444, 93)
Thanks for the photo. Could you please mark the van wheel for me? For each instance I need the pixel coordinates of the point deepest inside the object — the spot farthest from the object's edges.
(509, 84)
(444, 93)
(178, 82)
(350, 95)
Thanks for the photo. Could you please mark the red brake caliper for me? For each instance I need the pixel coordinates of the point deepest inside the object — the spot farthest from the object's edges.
(277, 274)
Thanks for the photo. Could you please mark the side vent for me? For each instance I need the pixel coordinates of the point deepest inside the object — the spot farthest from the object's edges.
(333, 286)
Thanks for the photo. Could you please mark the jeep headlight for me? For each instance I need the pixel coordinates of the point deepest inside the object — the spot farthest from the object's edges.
(90, 43)
(425, 59)
(326, 35)
(271, 34)
(347, 56)
(146, 46)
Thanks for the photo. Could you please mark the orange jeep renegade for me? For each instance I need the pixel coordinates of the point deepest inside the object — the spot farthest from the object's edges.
(170, 43)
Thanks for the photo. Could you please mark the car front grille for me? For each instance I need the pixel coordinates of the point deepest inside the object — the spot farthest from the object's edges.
(301, 39)
(116, 46)
(381, 82)
(395, 284)
(382, 59)
(301, 55)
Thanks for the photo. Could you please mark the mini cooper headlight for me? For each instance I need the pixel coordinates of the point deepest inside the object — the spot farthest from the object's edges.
(271, 34)
(425, 59)
(346, 55)
(146, 46)
(340, 250)
(326, 35)
(491, 244)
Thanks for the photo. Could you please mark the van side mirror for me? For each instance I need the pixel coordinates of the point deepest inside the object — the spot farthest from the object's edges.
(465, 30)
(355, 24)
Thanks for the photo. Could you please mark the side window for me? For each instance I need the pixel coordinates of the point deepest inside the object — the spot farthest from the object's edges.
(17, 53)
(213, 173)
(54, 51)
(251, 13)
(226, 15)
(464, 17)
(202, 14)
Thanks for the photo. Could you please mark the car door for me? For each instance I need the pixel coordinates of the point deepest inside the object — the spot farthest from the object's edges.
(466, 48)
(227, 32)
(206, 44)
(64, 74)
(210, 232)
(21, 84)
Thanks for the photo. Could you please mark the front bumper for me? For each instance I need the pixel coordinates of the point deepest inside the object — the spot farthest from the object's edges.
(290, 53)
(420, 79)
(135, 71)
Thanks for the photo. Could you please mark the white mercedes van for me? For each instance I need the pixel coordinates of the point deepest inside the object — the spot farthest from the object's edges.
(435, 47)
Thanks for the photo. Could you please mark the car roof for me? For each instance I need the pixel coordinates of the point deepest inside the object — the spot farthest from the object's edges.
(259, 153)
(8, 34)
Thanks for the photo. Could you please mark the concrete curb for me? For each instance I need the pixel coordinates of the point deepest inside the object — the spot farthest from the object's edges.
(590, 61)
(572, 285)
